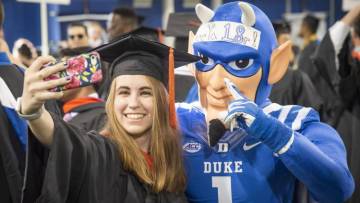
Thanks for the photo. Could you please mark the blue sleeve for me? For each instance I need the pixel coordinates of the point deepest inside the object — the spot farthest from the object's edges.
(317, 158)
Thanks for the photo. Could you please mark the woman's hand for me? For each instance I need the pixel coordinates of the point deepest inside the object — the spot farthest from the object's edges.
(36, 91)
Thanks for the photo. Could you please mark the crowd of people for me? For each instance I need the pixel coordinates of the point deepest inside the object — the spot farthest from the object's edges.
(264, 121)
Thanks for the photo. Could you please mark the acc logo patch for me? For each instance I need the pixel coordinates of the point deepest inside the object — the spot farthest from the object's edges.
(192, 147)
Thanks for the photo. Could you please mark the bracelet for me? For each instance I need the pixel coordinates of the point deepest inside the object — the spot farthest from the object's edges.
(287, 146)
(28, 117)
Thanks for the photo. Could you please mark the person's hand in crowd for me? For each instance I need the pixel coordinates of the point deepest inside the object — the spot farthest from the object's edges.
(350, 17)
(36, 91)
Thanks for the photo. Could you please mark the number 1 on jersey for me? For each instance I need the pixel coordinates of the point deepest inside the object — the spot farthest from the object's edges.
(223, 185)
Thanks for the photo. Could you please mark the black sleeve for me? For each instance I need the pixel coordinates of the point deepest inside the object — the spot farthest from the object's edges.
(12, 153)
(328, 81)
(12, 159)
(350, 74)
(305, 93)
(80, 167)
(324, 61)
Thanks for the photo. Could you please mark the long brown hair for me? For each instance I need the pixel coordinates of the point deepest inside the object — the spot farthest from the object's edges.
(167, 172)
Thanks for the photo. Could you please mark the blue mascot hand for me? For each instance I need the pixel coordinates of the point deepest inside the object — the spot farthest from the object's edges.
(247, 115)
(241, 111)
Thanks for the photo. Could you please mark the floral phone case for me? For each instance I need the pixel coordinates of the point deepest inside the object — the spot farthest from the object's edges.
(83, 70)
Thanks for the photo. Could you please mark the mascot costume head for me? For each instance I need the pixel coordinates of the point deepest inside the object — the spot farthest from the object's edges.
(237, 42)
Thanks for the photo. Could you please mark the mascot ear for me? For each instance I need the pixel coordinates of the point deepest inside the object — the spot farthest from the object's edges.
(279, 63)
(191, 51)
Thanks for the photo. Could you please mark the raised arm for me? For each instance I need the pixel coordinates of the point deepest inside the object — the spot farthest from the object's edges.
(312, 151)
(340, 30)
(36, 92)
(350, 17)
(317, 158)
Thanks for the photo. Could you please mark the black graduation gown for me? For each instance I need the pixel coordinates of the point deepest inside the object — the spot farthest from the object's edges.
(12, 156)
(90, 116)
(304, 62)
(349, 90)
(12, 161)
(296, 88)
(334, 89)
(82, 167)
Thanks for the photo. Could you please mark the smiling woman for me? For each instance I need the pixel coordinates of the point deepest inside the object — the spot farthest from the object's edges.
(138, 111)
(133, 103)
(139, 158)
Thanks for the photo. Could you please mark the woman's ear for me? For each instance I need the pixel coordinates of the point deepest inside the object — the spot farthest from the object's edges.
(191, 51)
(279, 63)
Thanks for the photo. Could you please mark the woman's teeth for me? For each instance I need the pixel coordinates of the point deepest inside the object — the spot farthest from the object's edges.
(134, 116)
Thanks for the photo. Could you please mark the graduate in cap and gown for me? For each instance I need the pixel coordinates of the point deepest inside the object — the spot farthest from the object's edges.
(339, 69)
(296, 86)
(139, 158)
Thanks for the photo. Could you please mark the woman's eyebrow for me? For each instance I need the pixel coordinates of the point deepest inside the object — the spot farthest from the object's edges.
(122, 87)
(145, 88)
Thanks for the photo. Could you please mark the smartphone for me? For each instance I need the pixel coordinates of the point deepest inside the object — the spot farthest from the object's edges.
(83, 70)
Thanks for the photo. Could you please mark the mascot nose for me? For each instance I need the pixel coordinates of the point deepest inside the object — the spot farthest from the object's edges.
(217, 77)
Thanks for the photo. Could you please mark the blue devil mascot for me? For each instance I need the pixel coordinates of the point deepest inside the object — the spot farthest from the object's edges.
(238, 146)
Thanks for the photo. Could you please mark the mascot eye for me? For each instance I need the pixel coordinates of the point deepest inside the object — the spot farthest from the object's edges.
(241, 64)
(206, 60)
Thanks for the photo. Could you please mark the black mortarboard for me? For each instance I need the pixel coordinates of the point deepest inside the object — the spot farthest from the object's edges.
(179, 24)
(133, 55)
(139, 56)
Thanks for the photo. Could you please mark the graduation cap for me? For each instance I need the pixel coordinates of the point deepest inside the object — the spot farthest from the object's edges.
(133, 55)
(179, 25)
